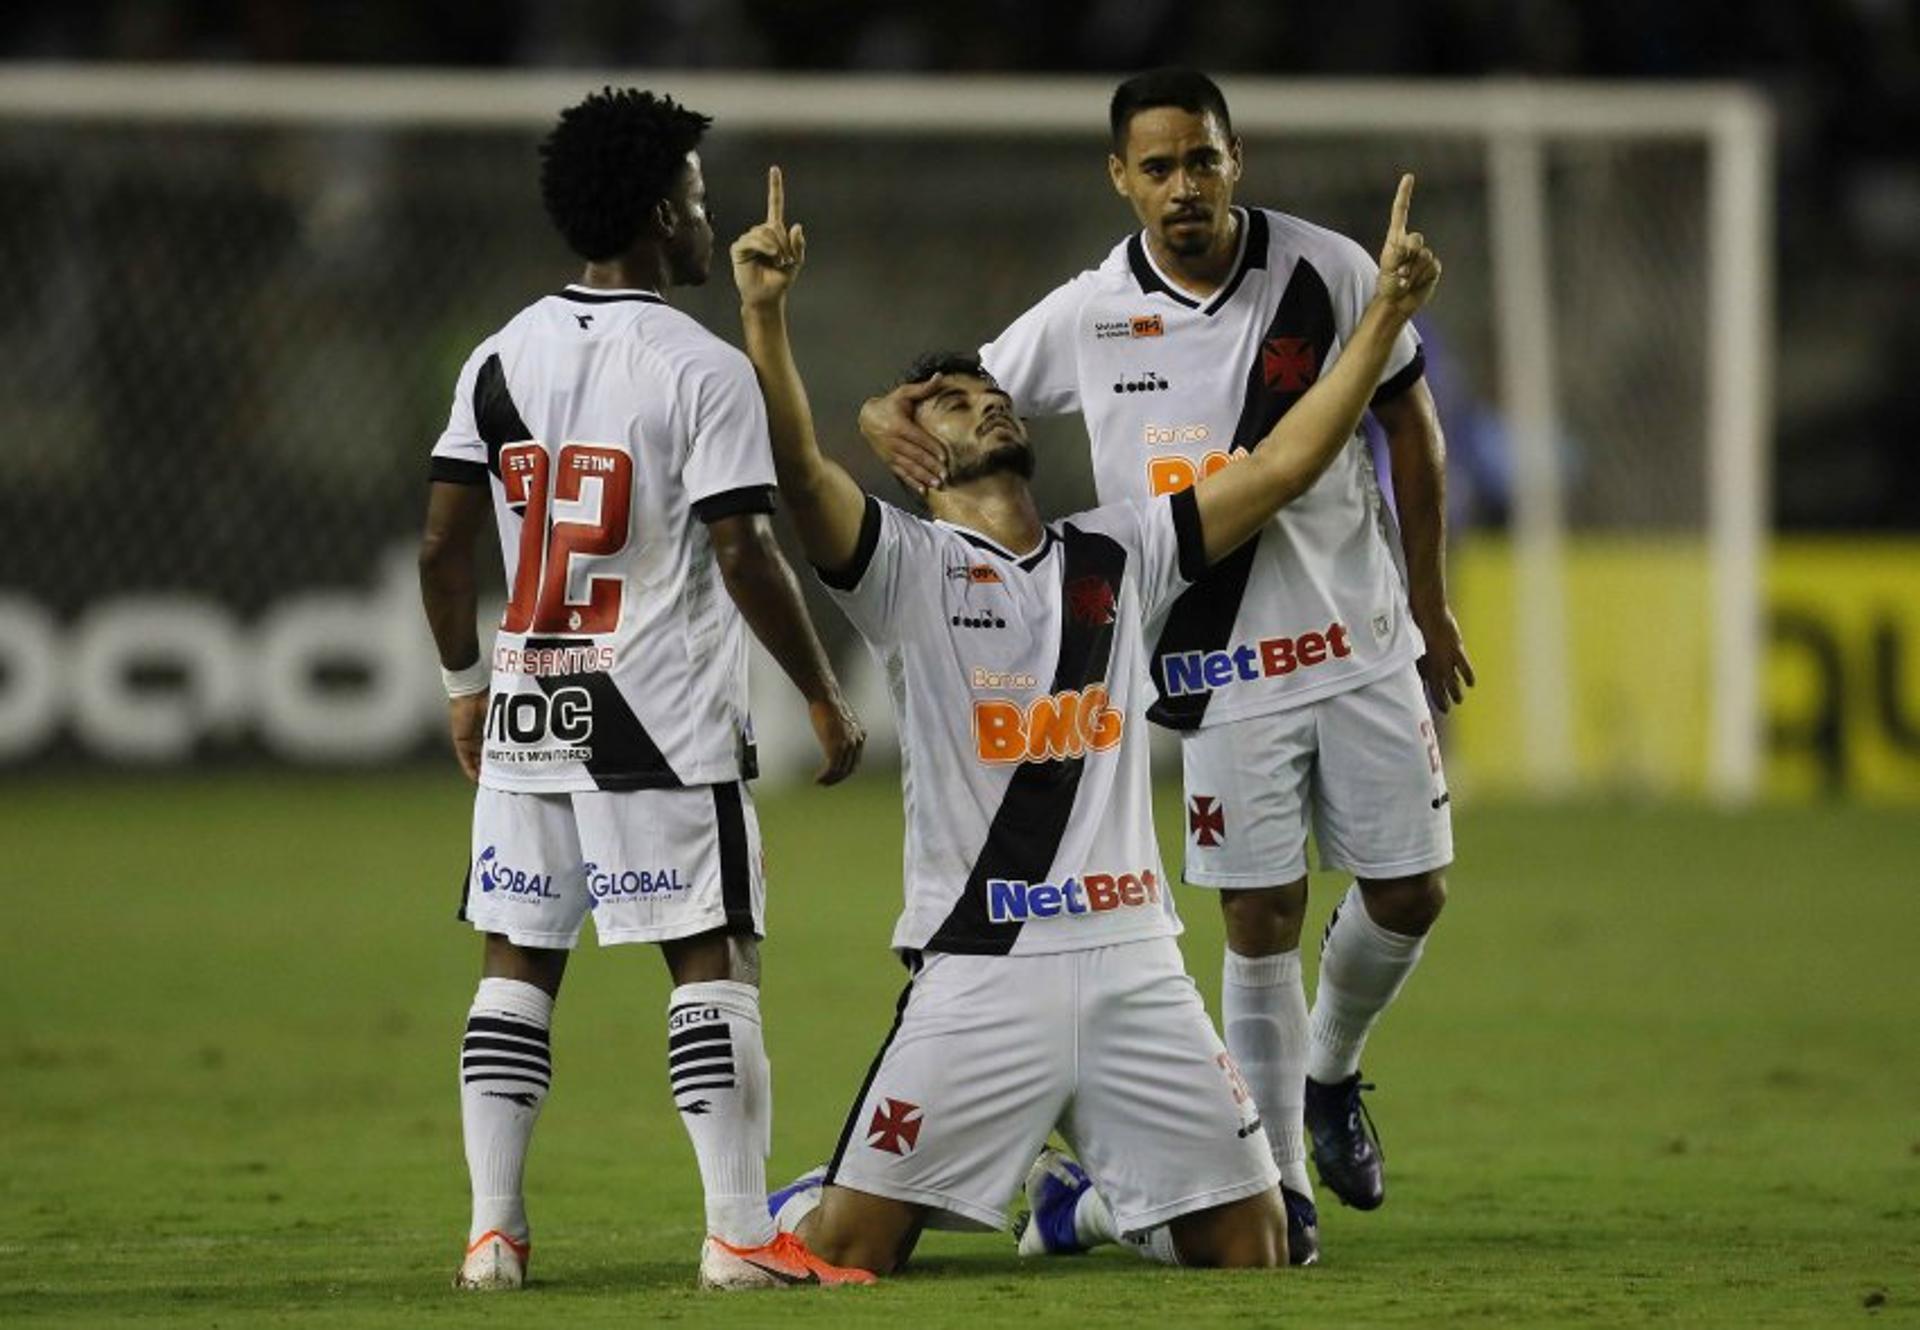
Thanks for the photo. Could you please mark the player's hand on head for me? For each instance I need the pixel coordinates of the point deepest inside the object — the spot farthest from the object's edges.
(1409, 270)
(467, 721)
(910, 452)
(842, 738)
(769, 255)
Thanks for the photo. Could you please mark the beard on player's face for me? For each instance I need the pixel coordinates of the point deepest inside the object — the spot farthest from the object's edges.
(1008, 456)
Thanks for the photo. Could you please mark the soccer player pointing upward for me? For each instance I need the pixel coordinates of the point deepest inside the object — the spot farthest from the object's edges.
(1047, 989)
(1294, 671)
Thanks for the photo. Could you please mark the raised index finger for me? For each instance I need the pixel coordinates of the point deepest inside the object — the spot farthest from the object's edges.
(1402, 201)
(776, 199)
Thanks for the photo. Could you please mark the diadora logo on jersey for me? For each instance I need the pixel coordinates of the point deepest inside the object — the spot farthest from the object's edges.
(1203, 671)
(974, 574)
(1140, 325)
(1090, 600)
(1206, 820)
(895, 1128)
(630, 883)
(984, 619)
(1147, 382)
(1012, 901)
(497, 877)
(1287, 364)
(1063, 725)
(1161, 435)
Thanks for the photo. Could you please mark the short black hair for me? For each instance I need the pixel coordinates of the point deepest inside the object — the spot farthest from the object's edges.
(607, 163)
(1188, 89)
(931, 363)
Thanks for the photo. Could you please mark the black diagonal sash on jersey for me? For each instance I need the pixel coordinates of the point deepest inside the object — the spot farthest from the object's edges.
(1026, 830)
(625, 757)
(1202, 618)
(494, 413)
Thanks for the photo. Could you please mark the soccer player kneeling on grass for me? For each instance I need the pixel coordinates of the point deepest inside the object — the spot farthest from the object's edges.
(621, 450)
(1047, 990)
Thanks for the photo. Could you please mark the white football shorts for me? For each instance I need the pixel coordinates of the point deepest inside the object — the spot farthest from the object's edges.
(648, 865)
(1110, 1045)
(1366, 763)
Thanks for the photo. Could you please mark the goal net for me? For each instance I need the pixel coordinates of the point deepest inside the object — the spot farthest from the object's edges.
(235, 302)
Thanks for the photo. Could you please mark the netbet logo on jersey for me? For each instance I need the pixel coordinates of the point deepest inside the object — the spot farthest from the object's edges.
(1011, 901)
(1203, 671)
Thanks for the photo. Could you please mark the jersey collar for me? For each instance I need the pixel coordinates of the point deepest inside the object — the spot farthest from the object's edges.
(1251, 254)
(593, 295)
(1025, 562)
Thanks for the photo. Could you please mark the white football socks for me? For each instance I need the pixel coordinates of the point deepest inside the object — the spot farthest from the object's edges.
(505, 1069)
(1362, 968)
(723, 1087)
(1263, 1009)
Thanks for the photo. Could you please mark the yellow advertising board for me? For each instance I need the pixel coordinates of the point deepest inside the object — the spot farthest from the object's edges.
(1840, 683)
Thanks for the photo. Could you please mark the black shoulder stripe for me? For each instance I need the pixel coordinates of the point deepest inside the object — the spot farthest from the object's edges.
(847, 578)
(1285, 365)
(1039, 800)
(456, 471)
(1192, 540)
(1405, 379)
(494, 413)
(732, 503)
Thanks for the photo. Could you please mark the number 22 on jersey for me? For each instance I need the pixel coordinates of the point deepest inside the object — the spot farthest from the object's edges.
(539, 601)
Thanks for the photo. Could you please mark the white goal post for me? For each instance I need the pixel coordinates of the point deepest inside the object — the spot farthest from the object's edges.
(1513, 122)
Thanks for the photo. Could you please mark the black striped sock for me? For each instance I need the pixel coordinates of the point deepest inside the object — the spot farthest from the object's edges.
(505, 1070)
(507, 1059)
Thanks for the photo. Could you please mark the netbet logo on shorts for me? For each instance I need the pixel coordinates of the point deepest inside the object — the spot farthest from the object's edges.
(1010, 901)
(498, 878)
(621, 884)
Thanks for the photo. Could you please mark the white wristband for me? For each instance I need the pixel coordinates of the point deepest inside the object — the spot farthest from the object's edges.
(475, 678)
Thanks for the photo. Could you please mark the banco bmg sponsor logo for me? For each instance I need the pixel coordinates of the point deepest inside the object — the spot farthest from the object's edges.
(1010, 900)
(499, 878)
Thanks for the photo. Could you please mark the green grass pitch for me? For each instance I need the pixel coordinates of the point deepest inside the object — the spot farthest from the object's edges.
(1660, 1065)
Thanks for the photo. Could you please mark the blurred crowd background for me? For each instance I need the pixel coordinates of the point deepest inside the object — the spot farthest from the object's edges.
(231, 345)
(1844, 76)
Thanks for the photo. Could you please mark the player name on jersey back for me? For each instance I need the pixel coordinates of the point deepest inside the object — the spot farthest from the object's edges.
(1019, 683)
(1172, 388)
(610, 429)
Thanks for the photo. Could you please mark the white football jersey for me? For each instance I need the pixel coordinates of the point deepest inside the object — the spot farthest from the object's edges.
(611, 428)
(1018, 685)
(1171, 388)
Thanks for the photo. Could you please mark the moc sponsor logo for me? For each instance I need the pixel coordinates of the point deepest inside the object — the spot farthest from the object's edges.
(1189, 672)
(615, 884)
(974, 574)
(1067, 724)
(526, 718)
(497, 878)
(1138, 325)
(1160, 436)
(1012, 901)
